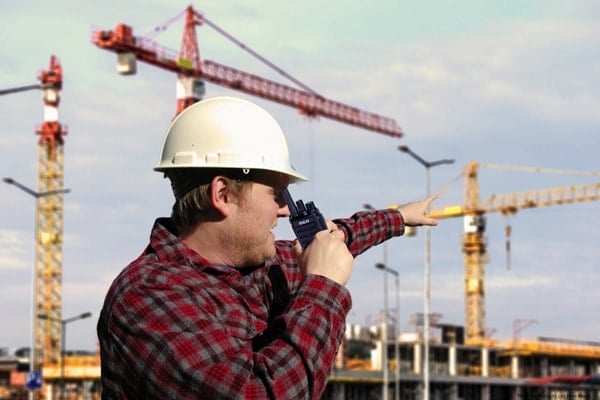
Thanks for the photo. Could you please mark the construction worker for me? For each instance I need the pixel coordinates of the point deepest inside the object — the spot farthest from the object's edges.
(215, 308)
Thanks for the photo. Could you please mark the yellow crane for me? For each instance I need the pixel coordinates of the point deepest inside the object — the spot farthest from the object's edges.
(49, 226)
(474, 246)
(47, 279)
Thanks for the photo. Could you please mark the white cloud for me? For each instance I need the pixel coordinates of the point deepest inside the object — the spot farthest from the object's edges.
(13, 250)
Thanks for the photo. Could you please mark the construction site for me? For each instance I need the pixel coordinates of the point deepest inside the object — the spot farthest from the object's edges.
(434, 360)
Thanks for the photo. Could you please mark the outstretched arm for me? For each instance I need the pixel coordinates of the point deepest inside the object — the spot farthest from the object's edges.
(365, 229)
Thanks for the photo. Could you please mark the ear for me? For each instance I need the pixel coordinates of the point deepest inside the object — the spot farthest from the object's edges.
(220, 195)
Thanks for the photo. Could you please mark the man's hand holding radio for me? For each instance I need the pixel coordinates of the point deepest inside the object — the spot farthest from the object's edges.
(327, 255)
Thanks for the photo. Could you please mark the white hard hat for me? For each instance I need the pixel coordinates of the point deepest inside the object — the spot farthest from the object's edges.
(226, 132)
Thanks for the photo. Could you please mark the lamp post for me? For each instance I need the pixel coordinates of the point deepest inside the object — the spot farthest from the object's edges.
(426, 269)
(63, 342)
(33, 350)
(384, 339)
(392, 271)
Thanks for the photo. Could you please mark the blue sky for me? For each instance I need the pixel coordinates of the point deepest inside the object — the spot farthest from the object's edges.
(514, 83)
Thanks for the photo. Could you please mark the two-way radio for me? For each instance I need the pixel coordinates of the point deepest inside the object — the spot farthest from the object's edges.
(306, 219)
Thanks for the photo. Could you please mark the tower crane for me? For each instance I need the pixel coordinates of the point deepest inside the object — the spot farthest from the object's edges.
(192, 72)
(49, 227)
(47, 285)
(473, 244)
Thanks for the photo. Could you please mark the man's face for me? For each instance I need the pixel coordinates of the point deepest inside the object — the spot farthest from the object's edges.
(252, 238)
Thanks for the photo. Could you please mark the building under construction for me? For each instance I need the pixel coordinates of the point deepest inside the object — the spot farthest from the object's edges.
(545, 368)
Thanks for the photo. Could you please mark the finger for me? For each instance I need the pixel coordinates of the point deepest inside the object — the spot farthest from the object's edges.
(431, 198)
(338, 233)
(430, 222)
(331, 226)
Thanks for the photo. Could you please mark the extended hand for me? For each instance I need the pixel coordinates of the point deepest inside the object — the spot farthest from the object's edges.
(415, 213)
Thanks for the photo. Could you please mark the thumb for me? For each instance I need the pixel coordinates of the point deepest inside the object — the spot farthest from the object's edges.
(297, 247)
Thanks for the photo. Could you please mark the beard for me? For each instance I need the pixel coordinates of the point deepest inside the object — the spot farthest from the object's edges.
(249, 244)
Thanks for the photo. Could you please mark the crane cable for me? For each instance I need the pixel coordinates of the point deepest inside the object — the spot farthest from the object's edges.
(444, 188)
(259, 57)
(203, 20)
(539, 170)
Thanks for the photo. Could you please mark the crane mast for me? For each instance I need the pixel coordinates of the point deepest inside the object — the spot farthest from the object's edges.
(475, 256)
(49, 223)
(474, 244)
(192, 71)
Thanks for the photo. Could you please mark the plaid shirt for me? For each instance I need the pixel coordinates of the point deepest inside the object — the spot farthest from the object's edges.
(173, 326)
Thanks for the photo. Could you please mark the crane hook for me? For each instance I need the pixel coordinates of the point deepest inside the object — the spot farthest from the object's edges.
(507, 231)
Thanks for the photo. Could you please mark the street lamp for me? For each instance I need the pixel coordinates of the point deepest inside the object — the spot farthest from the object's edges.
(384, 340)
(426, 269)
(392, 271)
(32, 192)
(63, 341)
(33, 351)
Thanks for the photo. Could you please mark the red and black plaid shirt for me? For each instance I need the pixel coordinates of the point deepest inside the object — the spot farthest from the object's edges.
(175, 327)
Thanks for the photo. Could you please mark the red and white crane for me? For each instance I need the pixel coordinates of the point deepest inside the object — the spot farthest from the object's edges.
(192, 72)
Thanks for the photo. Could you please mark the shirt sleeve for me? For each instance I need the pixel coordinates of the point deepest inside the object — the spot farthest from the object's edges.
(365, 229)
